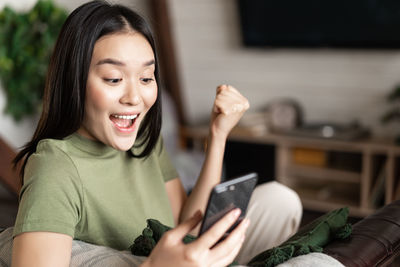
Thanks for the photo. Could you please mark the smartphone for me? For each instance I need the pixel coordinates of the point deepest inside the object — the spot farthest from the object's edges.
(226, 196)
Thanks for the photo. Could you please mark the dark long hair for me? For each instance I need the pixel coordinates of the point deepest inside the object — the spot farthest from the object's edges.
(65, 89)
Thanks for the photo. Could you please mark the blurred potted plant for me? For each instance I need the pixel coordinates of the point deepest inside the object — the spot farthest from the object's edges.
(393, 114)
(26, 42)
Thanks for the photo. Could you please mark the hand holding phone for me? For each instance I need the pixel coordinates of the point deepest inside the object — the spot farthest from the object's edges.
(227, 196)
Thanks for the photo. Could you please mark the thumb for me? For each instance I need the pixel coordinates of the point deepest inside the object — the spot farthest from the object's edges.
(220, 88)
(185, 227)
(216, 110)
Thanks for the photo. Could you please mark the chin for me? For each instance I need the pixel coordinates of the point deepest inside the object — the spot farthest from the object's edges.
(124, 143)
(123, 146)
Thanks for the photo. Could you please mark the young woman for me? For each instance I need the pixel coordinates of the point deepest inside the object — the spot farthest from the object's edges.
(96, 167)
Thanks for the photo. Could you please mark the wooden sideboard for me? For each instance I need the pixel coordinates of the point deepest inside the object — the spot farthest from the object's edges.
(366, 174)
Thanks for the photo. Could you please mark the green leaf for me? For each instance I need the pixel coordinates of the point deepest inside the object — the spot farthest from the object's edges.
(394, 95)
(26, 43)
(391, 115)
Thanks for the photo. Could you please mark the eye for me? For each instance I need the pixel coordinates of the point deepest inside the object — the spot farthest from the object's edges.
(113, 80)
(147, 80)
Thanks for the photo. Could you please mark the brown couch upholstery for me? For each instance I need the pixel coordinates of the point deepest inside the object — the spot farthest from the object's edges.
(375, 240)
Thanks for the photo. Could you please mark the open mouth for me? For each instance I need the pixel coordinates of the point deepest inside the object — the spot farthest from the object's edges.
(124, 122)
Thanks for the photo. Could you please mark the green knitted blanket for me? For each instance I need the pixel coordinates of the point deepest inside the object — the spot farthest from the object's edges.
(310, 238)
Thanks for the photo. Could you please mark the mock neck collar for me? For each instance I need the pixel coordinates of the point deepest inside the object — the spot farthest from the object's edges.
(92, 147)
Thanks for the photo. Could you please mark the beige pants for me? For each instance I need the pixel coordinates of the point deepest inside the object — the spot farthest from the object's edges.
(275, 212)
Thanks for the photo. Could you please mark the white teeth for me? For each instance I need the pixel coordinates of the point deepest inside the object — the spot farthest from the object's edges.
(125, 117)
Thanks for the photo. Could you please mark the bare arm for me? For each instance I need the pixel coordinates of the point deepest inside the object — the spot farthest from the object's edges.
(228, 108)
(177, 197)
(41, 249)
(210, 175)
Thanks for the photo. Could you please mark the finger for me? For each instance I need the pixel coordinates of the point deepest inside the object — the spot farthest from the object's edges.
(234, 91)
(222, 103)
(236, 97)
(221, 106)
(230, 97)
(226, 251)
(212, 235)
(229, 100)
(229, 109)
(243, 99)
(221, 87)
(234, 239)
(227, 105)
(228, 259)
(185, 227)
(229, 89)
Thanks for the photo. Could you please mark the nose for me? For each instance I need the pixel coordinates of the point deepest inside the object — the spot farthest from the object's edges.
(131, 95)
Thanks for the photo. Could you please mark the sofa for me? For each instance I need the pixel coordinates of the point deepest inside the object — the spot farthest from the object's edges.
(375, 241)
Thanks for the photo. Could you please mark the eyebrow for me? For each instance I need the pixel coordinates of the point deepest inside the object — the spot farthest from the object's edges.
(120, 63)
(149, 63)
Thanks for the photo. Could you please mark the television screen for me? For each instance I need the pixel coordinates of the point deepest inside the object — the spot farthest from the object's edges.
(320, 23)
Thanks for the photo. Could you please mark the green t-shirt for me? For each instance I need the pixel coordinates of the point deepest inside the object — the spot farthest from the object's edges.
(93, 192)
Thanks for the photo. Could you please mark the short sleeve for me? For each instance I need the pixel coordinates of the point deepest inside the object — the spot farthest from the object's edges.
(51, 197)
(167, 168)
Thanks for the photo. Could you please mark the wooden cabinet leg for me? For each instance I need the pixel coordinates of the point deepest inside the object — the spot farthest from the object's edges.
(366, 179)
(389, 179)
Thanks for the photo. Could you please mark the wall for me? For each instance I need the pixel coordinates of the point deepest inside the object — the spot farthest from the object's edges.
(331, 85)
(17, 134)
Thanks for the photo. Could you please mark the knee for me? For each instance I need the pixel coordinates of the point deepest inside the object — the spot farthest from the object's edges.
(289, 199)
(281, 199)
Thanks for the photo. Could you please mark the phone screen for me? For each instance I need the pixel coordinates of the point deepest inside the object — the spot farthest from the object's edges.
(227, 196)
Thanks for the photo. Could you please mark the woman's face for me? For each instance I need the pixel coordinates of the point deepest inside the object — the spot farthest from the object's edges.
(120, 90)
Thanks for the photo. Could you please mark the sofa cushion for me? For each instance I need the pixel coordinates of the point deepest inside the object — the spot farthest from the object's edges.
(375, 240)
(314, 259)
(83, 254)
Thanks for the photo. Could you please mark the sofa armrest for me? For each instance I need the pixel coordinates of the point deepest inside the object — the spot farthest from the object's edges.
(375, 240)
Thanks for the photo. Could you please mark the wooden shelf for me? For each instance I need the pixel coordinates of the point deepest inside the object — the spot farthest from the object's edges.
(324, 206)
(324, 198)
(304, 178)
(322, 173)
